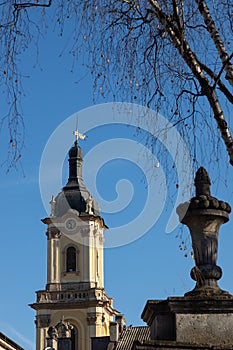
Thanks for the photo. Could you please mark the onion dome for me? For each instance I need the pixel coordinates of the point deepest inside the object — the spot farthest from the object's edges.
(75, 195)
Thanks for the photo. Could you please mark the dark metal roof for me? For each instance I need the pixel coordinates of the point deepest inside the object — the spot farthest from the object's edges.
(130, 334)
(74, 195)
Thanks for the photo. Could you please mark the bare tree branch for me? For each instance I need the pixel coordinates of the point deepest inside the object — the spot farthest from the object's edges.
(169, 55)
(190, 58)
(19, 6)
(211, 27)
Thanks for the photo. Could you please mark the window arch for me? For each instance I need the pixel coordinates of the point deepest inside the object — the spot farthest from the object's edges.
(74, 339)
(71, 259)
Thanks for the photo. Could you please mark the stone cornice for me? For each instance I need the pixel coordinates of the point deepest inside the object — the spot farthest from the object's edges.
(68, 305)
(186, 305)
(84, 218)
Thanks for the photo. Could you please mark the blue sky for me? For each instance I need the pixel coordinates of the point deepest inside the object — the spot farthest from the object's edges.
(152, 267)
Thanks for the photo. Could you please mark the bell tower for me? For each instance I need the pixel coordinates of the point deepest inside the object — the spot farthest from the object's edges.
(74, 292)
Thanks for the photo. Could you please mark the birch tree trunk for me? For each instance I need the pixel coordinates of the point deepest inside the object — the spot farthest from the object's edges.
(179, 41)
(211, 27)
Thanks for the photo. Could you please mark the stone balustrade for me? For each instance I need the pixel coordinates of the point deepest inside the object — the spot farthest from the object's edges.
(72, 296)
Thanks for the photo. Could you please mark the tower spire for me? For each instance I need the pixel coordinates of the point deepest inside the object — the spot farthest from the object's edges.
(74, 194)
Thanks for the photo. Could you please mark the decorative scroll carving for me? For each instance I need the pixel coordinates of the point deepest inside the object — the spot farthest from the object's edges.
(63, 329)
(94, 318)
(52, 333)
(59, 336)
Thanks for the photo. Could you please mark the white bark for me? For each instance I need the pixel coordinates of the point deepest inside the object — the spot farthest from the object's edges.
(180, 43)
(204, 10)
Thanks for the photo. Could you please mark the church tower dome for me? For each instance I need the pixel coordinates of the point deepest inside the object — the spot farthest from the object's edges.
(75, 195)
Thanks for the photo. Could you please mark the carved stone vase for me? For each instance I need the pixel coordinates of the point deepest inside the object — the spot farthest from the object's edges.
(204, 215)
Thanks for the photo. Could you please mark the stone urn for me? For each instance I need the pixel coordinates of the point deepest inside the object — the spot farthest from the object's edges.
(204, 215)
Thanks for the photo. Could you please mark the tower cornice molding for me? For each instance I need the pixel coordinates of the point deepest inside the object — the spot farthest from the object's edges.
(43, 321)
(98, 220)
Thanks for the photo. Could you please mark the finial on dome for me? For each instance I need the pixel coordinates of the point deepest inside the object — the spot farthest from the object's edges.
(202, 182)
(77, 134)
(52, 203)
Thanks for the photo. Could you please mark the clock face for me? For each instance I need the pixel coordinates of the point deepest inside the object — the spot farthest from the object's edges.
(70, 224)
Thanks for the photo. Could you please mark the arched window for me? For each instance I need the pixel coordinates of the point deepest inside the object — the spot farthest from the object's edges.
(74, 339)
(71, 262)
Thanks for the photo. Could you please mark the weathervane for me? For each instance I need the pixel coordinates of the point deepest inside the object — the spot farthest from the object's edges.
(77, 134)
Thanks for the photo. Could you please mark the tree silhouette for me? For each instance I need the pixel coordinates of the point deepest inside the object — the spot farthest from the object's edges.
(174, 56)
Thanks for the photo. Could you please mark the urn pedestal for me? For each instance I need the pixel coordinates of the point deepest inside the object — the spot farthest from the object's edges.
(203, 317)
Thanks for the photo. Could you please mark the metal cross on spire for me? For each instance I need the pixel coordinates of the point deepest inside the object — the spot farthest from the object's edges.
(77, 134)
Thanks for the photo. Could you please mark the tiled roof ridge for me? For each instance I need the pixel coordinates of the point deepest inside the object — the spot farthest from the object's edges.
(130, 334)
